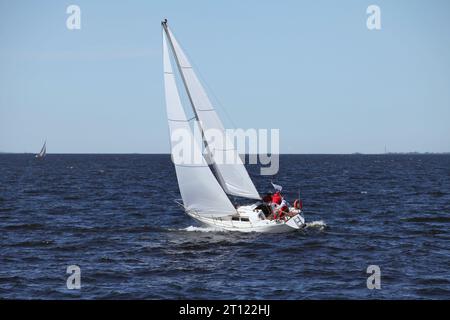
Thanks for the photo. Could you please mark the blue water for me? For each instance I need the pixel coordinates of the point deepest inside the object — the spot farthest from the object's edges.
(114, 216)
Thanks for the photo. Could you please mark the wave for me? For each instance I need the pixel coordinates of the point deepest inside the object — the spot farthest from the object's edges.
(319, 224)
(26, 226)
(201, 229)
(33, 243)
(428, 219)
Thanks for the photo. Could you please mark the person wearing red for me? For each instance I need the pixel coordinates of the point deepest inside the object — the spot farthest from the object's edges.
(276, 198)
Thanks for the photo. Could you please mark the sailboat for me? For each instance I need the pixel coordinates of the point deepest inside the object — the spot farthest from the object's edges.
(205, 185)
(43, 151)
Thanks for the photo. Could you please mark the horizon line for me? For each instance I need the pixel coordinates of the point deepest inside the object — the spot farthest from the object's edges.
(165, 153)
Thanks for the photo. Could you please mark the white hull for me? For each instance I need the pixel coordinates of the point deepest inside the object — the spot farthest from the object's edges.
(248, 220)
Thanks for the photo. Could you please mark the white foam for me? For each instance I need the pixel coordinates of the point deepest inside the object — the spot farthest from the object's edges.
(201, 229)
(320, 224)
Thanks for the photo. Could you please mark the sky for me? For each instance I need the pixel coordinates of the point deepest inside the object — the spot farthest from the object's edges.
(310, 68)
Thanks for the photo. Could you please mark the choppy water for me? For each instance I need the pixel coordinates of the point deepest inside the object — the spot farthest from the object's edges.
(114, 216)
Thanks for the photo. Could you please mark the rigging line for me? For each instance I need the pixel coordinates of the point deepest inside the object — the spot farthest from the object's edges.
(183, 78)
(202, 78)
(205, 143)
(219, 104)
(164, 39)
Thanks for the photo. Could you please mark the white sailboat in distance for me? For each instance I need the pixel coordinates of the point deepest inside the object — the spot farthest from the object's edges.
(205, 186)
(43, 151)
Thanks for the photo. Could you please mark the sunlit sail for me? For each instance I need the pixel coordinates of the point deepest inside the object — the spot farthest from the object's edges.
(204, 185)
(43, 152)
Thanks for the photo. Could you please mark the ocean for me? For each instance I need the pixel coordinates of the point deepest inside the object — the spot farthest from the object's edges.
(115, 217)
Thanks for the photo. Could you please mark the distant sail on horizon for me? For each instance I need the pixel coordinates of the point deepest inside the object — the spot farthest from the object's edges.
(43, 151)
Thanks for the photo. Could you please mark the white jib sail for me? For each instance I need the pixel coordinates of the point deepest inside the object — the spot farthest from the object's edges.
(232, 174)
(43, 150)
(199, 188)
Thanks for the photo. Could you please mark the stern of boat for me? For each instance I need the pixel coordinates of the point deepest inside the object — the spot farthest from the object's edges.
(296, 222)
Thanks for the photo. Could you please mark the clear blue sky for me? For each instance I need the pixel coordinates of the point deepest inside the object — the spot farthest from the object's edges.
(310, 68)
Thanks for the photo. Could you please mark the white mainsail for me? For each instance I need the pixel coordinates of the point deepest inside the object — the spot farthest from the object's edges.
(232, 176)
(43, 151)
(199, 188)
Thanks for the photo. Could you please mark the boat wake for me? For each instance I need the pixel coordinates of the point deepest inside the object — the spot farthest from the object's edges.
(230, 178)
(319, 224)
(316, 225)
(202, 229)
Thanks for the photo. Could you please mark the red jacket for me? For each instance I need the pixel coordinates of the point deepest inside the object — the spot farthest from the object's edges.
(276, 198)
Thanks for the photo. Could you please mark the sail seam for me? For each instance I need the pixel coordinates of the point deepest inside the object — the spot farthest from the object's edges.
(200, 102)
(210, 199)
(191, 166)
(182, 120)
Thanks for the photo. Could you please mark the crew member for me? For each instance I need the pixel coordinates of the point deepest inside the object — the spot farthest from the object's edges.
(277, 198)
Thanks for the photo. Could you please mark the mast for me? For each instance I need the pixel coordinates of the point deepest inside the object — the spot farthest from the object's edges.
(191, 101)
(164, 25)
(199, 189)
(233, 177)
